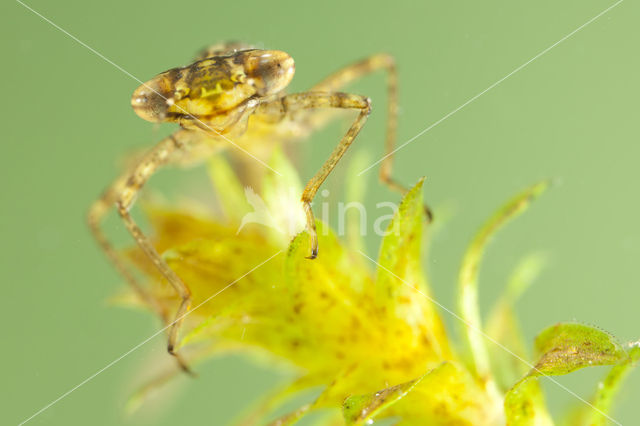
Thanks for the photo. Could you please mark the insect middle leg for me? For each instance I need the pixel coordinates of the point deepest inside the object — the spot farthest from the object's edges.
(357, 70)
(122, 194)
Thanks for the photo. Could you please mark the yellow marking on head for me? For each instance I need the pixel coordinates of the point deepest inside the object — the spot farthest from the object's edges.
(218, 89)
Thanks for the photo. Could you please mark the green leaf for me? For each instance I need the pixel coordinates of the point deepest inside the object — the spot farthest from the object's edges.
(468, 280)
(563, 348)
(525, 273)
(524, 405)
(228, 188)
(276, 398)
(360, 409)
(153, 388)
(354, 193)
(281, 196)
(401, 290)
(148, 389)
(566, 347)
(609, 387)
(447, 394)
(287, 179)
(293, 417)
(503, 325)
(334, 267)
(399, 259)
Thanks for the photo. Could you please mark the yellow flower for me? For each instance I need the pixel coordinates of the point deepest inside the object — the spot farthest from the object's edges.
(367, 331)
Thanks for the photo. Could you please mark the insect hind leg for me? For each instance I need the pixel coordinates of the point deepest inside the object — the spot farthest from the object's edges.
(357, 70)
(222, 49)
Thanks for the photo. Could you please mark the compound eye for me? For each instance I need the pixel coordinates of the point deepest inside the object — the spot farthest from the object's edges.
(270, 70)
(148, 103)
(140, 101)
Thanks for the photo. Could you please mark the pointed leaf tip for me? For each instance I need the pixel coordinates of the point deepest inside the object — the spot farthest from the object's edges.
(468, 278)
(563, 348)
(362, 409)
(566, 347)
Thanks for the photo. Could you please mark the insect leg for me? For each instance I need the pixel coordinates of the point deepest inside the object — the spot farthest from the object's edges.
(381, 61)
(96, 214)
(301, 101)
(222, 49)
(123, 193)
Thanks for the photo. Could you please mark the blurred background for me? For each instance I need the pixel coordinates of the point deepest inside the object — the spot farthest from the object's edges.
(571, 115)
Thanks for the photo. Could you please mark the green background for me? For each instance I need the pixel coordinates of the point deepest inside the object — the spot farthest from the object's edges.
(572, 114)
